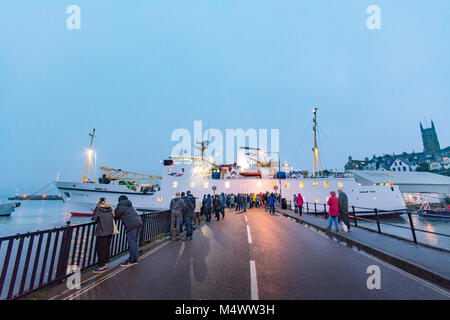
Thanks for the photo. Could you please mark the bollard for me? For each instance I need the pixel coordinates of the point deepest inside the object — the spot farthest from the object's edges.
(378, 220)
(354, 216)
(413, 230)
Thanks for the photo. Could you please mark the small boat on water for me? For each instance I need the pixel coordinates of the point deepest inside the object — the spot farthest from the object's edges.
(8, 208)
(443, 213)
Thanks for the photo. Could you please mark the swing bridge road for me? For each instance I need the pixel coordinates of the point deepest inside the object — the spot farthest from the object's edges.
(252, 256)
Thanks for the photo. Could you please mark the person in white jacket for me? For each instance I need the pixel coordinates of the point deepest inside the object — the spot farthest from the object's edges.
(198, 208)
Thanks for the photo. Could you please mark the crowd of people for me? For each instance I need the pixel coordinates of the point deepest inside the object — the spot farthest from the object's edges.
(186, 212)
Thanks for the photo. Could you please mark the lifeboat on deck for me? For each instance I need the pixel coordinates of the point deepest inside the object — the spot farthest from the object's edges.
(250, 174)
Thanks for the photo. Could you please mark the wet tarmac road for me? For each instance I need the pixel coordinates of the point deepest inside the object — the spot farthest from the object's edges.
(255, 256)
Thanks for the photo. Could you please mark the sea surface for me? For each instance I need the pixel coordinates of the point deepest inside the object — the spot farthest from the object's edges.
(35, 215)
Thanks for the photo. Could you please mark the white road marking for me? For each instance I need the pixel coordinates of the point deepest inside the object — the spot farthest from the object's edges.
(253, 281)
(249, 235)
(245, 217)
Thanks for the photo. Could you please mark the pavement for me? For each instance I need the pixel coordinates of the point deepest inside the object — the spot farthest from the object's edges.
(421, 259)
(252, 255)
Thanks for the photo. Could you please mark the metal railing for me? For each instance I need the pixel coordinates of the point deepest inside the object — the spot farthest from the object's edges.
(34, 260)
(321, 210)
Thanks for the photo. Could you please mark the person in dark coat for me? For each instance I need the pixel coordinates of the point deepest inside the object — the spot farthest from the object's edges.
(343, 208)
(217, 206)
(133, 226)
(104, 230)
(208, 207)
(223, 201)
(189, 215)
(238, 202)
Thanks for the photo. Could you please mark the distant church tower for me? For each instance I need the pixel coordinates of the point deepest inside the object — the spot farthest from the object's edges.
(430, 139)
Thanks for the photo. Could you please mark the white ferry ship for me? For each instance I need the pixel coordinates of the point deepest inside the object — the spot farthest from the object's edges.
(200, 176)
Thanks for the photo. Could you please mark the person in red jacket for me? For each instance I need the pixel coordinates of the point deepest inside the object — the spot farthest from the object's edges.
(299, 201)
(333, 212)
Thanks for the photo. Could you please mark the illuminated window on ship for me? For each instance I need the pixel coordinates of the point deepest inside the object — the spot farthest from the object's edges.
(175, 184)
(205, 184)
(315, 184)
(301, 184)
(317, 199)
(287, 184)
(326, 184)
(340, 184)
(159, 198)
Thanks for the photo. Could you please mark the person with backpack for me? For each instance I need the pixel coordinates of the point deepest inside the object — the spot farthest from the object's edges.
(272, 200)
(133, 225)
(343, 208)
(176, 212)
(104, 230)
(188, 214)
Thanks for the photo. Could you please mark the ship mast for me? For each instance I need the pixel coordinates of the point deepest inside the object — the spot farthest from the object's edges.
(89, 164)
(317, 163)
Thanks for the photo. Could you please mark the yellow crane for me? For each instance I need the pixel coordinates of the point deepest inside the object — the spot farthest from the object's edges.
(119, 174)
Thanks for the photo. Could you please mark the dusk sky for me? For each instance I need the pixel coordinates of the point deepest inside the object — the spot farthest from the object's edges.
(138, 70)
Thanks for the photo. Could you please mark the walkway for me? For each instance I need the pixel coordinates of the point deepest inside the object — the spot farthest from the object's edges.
(253, 256)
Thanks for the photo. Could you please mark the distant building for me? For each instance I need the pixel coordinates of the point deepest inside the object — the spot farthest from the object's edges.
(430, 139)
(416, 187)
(433, 158)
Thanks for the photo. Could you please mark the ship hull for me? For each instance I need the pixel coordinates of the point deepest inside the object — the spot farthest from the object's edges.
(82, 197)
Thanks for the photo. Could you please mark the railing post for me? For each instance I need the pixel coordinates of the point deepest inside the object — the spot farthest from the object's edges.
(63, 258)
(413, 230)
(315, 208)
(354, 216)
(307, 208)
(324, 208)
(378, 220)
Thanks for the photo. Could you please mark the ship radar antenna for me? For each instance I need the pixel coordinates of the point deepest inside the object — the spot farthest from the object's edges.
(317, 163)
(203, 145)
(89, 168)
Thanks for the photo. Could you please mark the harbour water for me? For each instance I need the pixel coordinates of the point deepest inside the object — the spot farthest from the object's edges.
(36, 215)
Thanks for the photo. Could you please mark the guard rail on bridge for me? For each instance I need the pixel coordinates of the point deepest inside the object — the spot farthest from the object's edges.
(34, 260)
